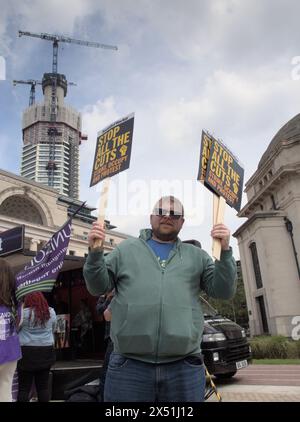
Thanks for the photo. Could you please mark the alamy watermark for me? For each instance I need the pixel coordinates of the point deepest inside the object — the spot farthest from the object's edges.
(2, 68)
(296, 329)
(136, 198)
(295, 73)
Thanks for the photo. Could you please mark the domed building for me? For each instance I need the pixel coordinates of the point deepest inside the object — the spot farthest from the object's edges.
(269, 241)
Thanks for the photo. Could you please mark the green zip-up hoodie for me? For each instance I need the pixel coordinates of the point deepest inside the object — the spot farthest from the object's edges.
(156, 312)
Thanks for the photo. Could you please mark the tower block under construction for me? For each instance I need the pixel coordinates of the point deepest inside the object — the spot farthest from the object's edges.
(51, 139)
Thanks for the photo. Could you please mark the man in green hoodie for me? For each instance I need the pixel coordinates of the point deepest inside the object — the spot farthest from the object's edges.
(157, 320)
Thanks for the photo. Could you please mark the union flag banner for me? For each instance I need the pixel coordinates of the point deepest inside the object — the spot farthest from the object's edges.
(42, 271)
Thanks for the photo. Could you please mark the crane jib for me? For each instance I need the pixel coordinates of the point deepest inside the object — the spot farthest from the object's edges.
(60, 38)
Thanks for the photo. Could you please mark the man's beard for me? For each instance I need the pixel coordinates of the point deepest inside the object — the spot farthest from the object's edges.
(165, 236)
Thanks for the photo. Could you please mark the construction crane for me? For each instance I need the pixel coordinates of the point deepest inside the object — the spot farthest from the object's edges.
(52, 131)
(33, 84)
(58, 38)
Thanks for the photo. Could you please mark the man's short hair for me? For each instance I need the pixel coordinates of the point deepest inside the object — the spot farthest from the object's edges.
(165, 203)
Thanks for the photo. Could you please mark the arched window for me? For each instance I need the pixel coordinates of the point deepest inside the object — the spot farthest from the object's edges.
(17, 206)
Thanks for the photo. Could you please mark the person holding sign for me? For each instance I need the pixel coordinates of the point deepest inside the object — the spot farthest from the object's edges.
(157, 320)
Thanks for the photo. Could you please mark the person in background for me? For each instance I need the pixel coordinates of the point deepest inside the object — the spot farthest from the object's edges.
(37, 344)
(10, 350)
(157, 318)
(83, 321)
(103, 309)
(102, 305)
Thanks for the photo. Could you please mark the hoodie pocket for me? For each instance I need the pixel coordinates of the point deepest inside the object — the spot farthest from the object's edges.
(135, 328)
(180, 330)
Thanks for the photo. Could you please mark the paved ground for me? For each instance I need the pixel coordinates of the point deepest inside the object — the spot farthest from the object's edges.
(269, 375)
(261, 383)
(257, 393)
(256, 383)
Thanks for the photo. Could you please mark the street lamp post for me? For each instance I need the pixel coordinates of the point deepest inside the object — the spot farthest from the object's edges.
(289, 227)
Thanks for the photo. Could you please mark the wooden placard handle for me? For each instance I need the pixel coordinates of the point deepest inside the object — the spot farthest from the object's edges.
(215, 208)
(218, 217)
(102, 209)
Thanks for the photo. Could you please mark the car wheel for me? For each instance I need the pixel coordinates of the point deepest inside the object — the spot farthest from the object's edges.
(225, 376)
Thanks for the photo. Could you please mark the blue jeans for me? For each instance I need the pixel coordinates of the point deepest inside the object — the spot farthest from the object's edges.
(130, 380)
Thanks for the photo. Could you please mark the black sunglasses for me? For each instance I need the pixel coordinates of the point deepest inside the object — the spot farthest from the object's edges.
(160, 212)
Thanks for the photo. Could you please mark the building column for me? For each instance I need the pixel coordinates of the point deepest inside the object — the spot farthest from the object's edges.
(34, 245)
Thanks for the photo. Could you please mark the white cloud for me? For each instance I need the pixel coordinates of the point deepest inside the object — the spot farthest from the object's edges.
(227, 104)
(180, 121)
(5, 39)
(95, 117)
(54, 15)
(37, 16)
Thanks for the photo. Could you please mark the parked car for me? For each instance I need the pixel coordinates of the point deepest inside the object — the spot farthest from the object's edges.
(224, 345)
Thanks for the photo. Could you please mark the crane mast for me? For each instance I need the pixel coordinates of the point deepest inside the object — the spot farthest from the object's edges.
(32, 83)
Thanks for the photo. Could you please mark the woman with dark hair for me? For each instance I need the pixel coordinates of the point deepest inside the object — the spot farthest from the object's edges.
(10, 350)
(37, 342)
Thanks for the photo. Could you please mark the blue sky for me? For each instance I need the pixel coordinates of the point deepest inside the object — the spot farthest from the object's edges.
(227, 66)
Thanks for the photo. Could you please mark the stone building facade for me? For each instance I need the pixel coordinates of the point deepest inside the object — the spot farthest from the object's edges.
(270, 239)
(42, 210)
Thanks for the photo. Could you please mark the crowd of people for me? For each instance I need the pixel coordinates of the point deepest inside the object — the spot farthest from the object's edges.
(148, 289)
(26, 341)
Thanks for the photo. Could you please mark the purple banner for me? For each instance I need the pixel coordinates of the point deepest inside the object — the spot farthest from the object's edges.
(41, 273)
(9, 341)
(7, 328)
